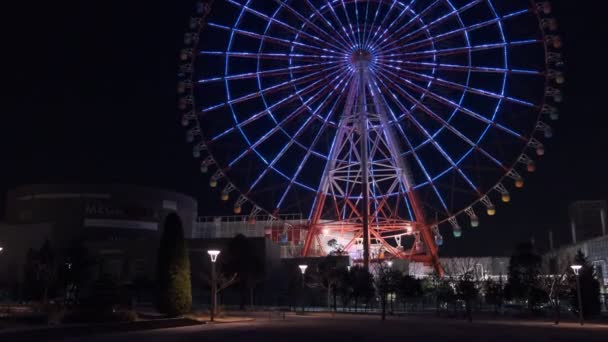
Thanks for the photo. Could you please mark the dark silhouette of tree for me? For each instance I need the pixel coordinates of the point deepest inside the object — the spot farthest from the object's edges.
(46, 269)
(242, 259)
(445, 294)
(555, 284)
(494, 293)
(173, 270)
(467, 291)
(76, 271)
(362, 284)
(345, 287)
(330, 275)
(409, 288)
(590, 288)
(524, 276)
(386, 282)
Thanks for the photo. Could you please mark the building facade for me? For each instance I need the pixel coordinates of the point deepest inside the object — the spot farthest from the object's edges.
(121, 224)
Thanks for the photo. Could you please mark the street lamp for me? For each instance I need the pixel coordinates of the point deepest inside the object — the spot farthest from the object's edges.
(576, 269)
(213, 254)
(390, 263)
(303, 270)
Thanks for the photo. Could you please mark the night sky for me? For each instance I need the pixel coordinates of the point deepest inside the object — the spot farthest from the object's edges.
(89, 96)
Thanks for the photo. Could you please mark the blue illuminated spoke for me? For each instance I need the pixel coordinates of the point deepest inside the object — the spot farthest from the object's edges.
(454, 85)
(375, 38)
(276, 56)
(402, 107)
(445, 124)
(273, 72)
(461, 50)
(408, 35)
(309, 37)
(352, 39)
(327, 89)
(271, 165)
(327, 23)
(276, 105)
(310, 24)
(410, 65)
(446, 35)
(348, 22)
(411, 85)
(271, 89)
(272, 39)
(309, 150)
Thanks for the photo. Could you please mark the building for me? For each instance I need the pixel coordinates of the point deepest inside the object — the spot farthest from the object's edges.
(587, 219)
(119, 223)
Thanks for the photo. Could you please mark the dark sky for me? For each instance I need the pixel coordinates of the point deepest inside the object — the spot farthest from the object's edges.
(89, 96)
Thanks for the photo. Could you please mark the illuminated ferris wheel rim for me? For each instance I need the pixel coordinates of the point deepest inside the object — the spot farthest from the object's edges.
(380, 62)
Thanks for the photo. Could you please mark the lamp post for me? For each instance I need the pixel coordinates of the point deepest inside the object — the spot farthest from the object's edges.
(303, 270)
(576, 269)
(213, 254)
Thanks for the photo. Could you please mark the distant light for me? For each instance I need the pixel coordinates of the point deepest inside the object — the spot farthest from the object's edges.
(303, 268)
(213, 254)
(576, 268)
(389, 263)
(325, 231)
(1, 248)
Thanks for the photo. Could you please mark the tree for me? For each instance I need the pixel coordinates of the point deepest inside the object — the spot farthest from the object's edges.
(494, 293)
(555, 284)
(173, 270)
(362, 284)
(46, 269)
(386, 281)
(590, 288)
(344, 286)
(467, 291)
(75, 271)
(445, 293)
(242, 259)
(330, 275)
(524, 276)
(409, 288)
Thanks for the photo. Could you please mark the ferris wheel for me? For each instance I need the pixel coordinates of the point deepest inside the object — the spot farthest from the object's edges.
(382, 121)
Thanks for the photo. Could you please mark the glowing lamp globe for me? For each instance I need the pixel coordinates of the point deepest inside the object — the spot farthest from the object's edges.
(213, 183)
(491, 211)
(237, 209)
(252, 220)
(554, 115)
(303, 268)
(531, 167)
(213, 254)
(457, 233)
(474, 222)
(204, 168)
(519, 183)
(506, 198)
(560, 79)
(224, 197)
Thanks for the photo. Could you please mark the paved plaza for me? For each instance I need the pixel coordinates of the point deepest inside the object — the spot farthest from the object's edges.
(352, 328)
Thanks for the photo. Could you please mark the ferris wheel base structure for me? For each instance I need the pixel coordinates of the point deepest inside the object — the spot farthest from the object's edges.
(366, 183)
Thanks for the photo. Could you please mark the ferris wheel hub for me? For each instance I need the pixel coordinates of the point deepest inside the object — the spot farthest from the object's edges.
(361, 58)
